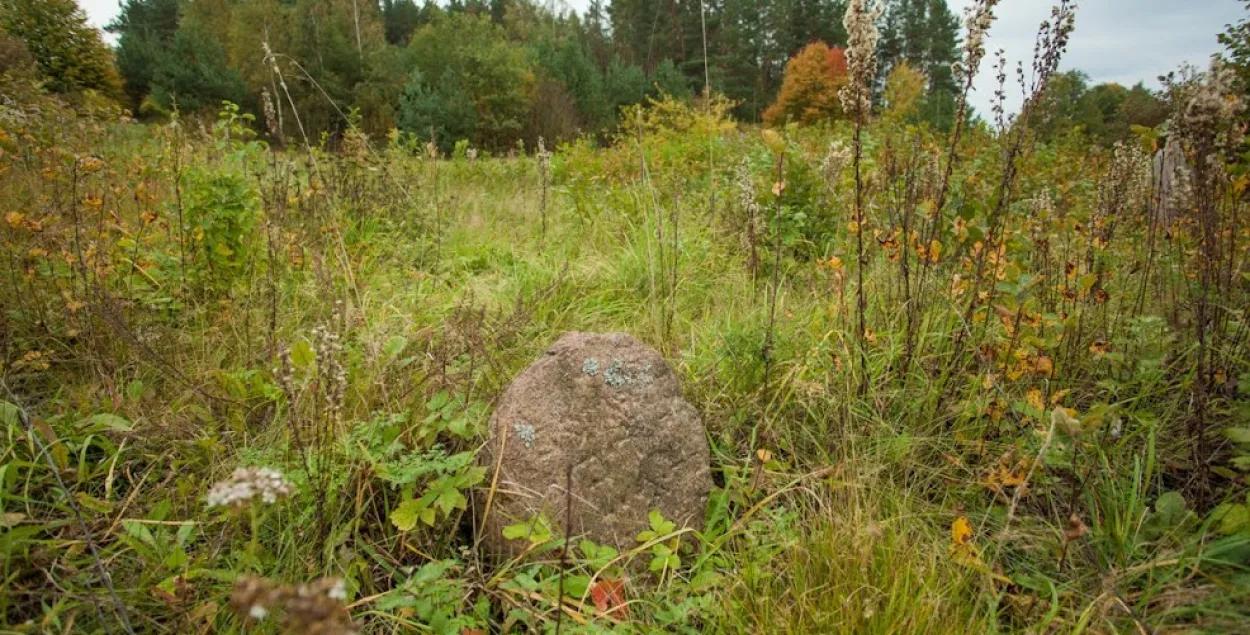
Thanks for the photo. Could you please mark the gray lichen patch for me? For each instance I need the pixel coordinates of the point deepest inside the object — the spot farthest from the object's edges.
(524, 432)
(590, 366)
(618, 375)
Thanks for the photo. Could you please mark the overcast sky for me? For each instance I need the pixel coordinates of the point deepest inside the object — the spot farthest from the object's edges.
(1124, 41)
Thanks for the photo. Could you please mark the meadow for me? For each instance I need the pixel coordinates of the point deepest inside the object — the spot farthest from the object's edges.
(961, 382)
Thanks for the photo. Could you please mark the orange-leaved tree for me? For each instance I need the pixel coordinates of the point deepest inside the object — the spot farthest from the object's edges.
(809, 90)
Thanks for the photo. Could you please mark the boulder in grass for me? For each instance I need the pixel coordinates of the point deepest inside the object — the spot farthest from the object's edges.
(605, 412)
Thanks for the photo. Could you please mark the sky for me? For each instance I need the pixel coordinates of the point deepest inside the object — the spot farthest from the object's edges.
(1123, 41)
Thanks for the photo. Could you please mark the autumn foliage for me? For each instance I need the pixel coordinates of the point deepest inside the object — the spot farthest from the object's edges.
(809, 91)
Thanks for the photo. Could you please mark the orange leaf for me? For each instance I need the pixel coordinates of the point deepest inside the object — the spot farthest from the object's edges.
(609, 598)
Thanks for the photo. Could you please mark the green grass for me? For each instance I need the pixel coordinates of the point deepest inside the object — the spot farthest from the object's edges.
(847, 528)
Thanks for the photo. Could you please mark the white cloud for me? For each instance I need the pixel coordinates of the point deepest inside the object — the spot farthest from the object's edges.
(1123, 41)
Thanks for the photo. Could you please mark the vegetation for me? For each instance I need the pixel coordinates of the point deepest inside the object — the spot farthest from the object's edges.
(958, 376)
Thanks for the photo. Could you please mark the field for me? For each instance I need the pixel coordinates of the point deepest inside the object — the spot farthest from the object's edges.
(964, 383)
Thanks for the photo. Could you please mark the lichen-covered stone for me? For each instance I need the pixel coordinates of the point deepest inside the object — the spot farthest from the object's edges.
(610, 408)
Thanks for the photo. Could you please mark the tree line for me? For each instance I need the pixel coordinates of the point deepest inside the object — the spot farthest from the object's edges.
(505, 72)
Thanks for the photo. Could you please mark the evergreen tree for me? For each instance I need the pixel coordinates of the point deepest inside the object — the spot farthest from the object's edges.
(924, 34)
(400, 18)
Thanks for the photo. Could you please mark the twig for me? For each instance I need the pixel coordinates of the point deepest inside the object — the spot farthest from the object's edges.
(564, 549)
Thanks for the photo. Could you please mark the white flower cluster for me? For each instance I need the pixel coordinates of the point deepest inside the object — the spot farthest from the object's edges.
(861, 55)
(1210, 113)
(247, 484)
(978, 18)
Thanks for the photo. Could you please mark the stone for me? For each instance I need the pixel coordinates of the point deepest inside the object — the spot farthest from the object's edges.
(611, 409)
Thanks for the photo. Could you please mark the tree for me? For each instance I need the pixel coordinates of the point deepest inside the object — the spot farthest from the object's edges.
(1104, 113)
(925, 35)
(15, 60)
(69, 52)
(904, 92)
(1236, 42)
(667, 80)
(145, 30)
(400, 18)
(470, 83)
(570, 63)
(192, 73)
(809, 92)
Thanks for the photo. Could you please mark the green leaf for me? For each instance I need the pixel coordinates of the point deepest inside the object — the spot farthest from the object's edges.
(658, 563)
(658, 524)
(394, 346)
(404, 517)
(1170, 506)
(9, 414)
(302, 355)
(439, 400)
(139, 531)
(1238, 435)
(450, 499)
(134, 390)
(106, 421)
(536, 530)
(1232, 518)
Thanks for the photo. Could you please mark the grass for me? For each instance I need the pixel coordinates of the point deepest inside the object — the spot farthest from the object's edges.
(834, 511)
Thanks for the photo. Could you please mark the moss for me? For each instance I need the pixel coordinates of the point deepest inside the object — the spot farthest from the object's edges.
(590, 366)
(524, 432)
(618, 376)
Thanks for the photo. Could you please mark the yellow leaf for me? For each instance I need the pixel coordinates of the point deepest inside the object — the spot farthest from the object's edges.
(1036, 399)
(1043, 365)
(961, 531)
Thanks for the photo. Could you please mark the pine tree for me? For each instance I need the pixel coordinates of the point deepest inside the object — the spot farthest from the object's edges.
(925, 35)
(146, 30)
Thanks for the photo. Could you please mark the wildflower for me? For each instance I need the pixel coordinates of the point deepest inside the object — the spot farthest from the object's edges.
(338, 591)
(333, 376)
(247, 484)
(271, 114)
(861, 55)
